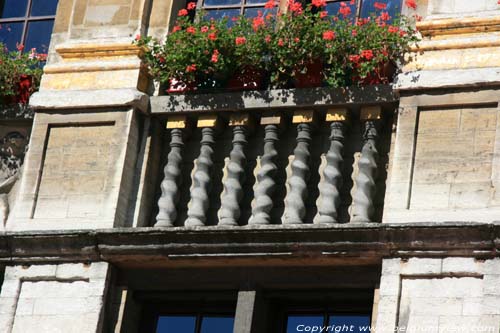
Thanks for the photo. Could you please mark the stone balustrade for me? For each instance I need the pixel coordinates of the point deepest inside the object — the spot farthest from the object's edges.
(310, 163)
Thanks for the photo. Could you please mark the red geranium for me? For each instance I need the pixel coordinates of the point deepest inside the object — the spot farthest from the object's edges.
(318, 3)
(380, 5)
(183, 12)
(367, 54)
(329, 35)
(413, 4)
(240, 40)
(191, 5)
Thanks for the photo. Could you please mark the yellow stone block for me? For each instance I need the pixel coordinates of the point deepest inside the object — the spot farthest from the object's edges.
(336, 114)
(303, 116)
(371, 113)
(271, 120)
(210, 120)
(240, 119)
(176, 122)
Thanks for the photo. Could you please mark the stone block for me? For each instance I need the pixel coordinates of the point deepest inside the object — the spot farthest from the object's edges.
(461, 265)
(419, 266)
(389, 285)
(439, 121)
(72, 271)
(472, 306)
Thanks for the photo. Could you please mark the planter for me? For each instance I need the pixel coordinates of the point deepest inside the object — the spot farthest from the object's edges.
(180, 87)
(249, 78)
(383, 74)
(313, 76)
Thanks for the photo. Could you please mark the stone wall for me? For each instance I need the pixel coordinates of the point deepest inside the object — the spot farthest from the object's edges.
(439, 295)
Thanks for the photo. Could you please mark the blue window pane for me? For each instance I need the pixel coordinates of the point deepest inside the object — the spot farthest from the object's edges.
(43, 7)
(217, 324)
(253, 12)
(255, 1)
(221, 2)
(356, 324)
(333, 8)
(299, 323)
(38, 35)
(393, 7)
(11, 34)
(176, 324)
(13, 8)
(221, 13)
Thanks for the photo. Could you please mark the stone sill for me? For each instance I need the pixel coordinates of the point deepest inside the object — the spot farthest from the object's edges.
(344, 243)
(282, 98)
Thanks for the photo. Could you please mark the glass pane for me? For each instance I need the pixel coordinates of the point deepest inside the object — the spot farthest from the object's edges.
(13, 8)
(38, 35)
(356, 324)
(176, 324)
(393, 7)
(221, 2)
(220, 13)
(10, 34)
(302, 323)
(256, 1)
(253, 12)
(217, 324)
(333, 8)
(43, 7)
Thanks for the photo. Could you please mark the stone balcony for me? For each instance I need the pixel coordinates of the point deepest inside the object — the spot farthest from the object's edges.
(275, 157)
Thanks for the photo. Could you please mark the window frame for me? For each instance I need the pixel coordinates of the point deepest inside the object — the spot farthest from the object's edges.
(27, 18)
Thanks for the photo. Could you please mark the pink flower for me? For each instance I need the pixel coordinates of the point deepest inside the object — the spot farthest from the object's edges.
(204, 29)
(191, 5)
(392, 29)
(191, 30)
(318, 3)
(240, 40)
(295, 6)
(19, 47)
(215, 56)
(354, 33)
(384, 16)
(329, 35)
(413, 4)
(380, 5)
(267, 39)
(212, 36)
(182, 12)
(137, 37)
(296, 39)
(344, 10)
(354, 58)
(323, 14)
(257, 22)
(280, 42)
(191, 68)
(176, 28)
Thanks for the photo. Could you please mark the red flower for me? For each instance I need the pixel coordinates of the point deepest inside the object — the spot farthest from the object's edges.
(353, 2)
(296, 39)
(318, 3)
(183, 12)
(215, 56)
(267, 39)
(367, 54)
(176, 28)
(240, 40)
(402, 33)
(354, 33)
(19, 47)
(270, 4)
(191, 5)
(294, 6)
(212, 36)
(329, 35)
(191, 68)
(392, 29)
(413, 4)
(344, 10)
(204, 29)
(384, 16)
(191, 30)
(257, 22)
(323, 14)
(137, 37)
(280, 42)
(380, 5)
(354, 58)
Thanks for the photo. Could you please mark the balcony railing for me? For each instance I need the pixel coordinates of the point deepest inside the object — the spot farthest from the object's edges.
(275, 157)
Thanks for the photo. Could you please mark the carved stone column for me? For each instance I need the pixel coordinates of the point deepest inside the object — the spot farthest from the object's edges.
(298, 171)
(367, 167)
(331, 178)
(201, 176)
(234, 173)
(265, 182)
(172, 174)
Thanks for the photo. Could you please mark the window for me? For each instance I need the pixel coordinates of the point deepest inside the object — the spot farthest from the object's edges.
(27, 22)
(195, 323)
(330, 322)
(229, 8)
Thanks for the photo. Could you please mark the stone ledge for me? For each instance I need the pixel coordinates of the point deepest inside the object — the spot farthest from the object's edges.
(439, 79)
(89, 99)
(344, 242)
(284, 98)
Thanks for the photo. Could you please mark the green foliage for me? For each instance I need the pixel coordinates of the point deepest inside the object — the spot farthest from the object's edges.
(20, 74)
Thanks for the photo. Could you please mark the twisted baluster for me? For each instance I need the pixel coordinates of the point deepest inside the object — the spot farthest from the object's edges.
(367, 172)
(265, 185)
(295, 207)
(229, 212)
(200, 188)
(171, 182)
(331, 180)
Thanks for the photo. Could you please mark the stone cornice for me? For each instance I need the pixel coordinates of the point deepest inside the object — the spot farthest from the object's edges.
(452, 26)
(343, 243)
